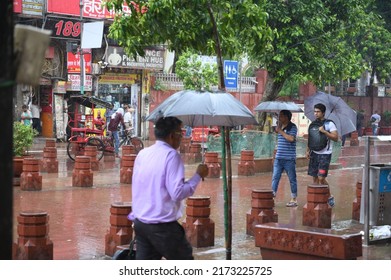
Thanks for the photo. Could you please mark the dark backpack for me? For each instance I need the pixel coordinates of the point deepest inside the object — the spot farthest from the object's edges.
(317, 140)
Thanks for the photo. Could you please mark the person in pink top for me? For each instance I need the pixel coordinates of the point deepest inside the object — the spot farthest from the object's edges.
(158, 190)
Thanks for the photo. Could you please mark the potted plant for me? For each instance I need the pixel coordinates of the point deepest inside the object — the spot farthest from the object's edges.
(23, 138)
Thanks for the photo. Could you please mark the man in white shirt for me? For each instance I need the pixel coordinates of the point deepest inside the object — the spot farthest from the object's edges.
(375, 119)
(128, 117)
(36, 116)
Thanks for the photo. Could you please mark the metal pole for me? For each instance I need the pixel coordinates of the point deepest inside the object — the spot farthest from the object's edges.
(366, 191)
(82, 70)
(6, 115)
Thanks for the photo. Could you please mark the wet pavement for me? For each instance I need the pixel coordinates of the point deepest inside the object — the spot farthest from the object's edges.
(79, 217)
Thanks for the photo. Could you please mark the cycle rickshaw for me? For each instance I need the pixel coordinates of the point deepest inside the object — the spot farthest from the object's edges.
(87, 130)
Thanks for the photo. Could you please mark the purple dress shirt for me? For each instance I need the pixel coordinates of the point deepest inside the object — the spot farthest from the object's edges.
(159, 186)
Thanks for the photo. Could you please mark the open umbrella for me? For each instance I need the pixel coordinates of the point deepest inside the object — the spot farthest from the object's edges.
(277, 106)
(200, 108)
(337, 110)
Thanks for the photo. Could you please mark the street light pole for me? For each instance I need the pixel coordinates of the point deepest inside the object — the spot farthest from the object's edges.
(82, 71)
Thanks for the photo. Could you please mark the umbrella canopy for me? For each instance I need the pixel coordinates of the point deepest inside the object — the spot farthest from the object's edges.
(204, 108)
(200, 108)
(277, 106)
(337, 110)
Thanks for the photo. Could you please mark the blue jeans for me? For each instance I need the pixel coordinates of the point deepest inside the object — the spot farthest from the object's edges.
(116, 141)
(289, 165)
(374, 129)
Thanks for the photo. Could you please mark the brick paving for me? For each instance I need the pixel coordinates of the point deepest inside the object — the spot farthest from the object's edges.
(79, 217)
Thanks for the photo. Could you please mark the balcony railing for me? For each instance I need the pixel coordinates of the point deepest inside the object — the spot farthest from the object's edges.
(172, 82)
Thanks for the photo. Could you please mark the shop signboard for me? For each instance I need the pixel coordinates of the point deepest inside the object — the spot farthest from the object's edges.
(74, 82)
(153, 59)
(73, 62)
(91, 8)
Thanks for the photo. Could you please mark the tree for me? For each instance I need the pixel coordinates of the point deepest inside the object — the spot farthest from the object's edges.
(311, 41)
(194, 73)
(209, 27)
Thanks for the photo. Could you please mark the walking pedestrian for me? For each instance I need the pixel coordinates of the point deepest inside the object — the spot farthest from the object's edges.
(320, 160)
(36, 116)
(26, 116)
(375, 120)
(116, 119)
(285, 158)
(158, 188)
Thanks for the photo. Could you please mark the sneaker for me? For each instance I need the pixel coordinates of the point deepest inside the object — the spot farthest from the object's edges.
(331, 201)
(274, 194)
(292, 203)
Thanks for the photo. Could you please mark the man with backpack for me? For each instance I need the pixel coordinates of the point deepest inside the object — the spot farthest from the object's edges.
(320, 148)
(285, 158)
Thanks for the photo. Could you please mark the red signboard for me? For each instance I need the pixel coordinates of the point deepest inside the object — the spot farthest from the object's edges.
(18, 6)
(73, 62)
(91, 8)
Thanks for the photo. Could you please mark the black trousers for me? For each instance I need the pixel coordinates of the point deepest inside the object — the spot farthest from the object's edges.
(167, 240)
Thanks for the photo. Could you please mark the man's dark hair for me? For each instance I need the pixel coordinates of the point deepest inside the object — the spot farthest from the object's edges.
(165, 126)
(287, 113)
(321, 107)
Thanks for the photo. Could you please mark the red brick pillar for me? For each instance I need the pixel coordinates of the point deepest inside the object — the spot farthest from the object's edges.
(185, 145)
(357, 202)
(316, 212)
(30, 179)
(49, 161)
(121, 230)
(128, 150)
(82, 175)
(262, 210)
(194, 155)
(50, 143)
(200, 229)
(212, 161)
(246, 166)
(354, 139)
(33, 242)
(126, 170)
(92, 151)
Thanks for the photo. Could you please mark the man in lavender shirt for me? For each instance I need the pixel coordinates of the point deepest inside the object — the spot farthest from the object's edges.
(158, 189)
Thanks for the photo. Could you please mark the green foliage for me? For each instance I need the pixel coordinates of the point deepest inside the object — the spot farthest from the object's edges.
(23, 137)
(195, 74)
(210, 27)
(386, 118)
(159, 85)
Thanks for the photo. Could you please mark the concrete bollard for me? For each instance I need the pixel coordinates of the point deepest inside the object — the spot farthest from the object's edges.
(199, 228)
(212, 161)
(194, 154)
(357, 202)
(92, 151)
(126, 170)
(185, 145)
(82, 175)
(128, 150)
(33, 242)
(246, 165)
(316, 212)
(50, 143)
(49, 161)
(354, 139)
(30, 179)
(121, 230)
(108, 154)
(262, 210)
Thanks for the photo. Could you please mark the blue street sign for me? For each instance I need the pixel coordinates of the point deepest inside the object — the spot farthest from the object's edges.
(231, 72)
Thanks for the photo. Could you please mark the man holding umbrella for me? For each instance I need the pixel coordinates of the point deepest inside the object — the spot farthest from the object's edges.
(286, 155)
(320, 160)
(158, 188)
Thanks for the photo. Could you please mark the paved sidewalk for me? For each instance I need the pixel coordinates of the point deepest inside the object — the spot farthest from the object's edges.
(79, 217)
